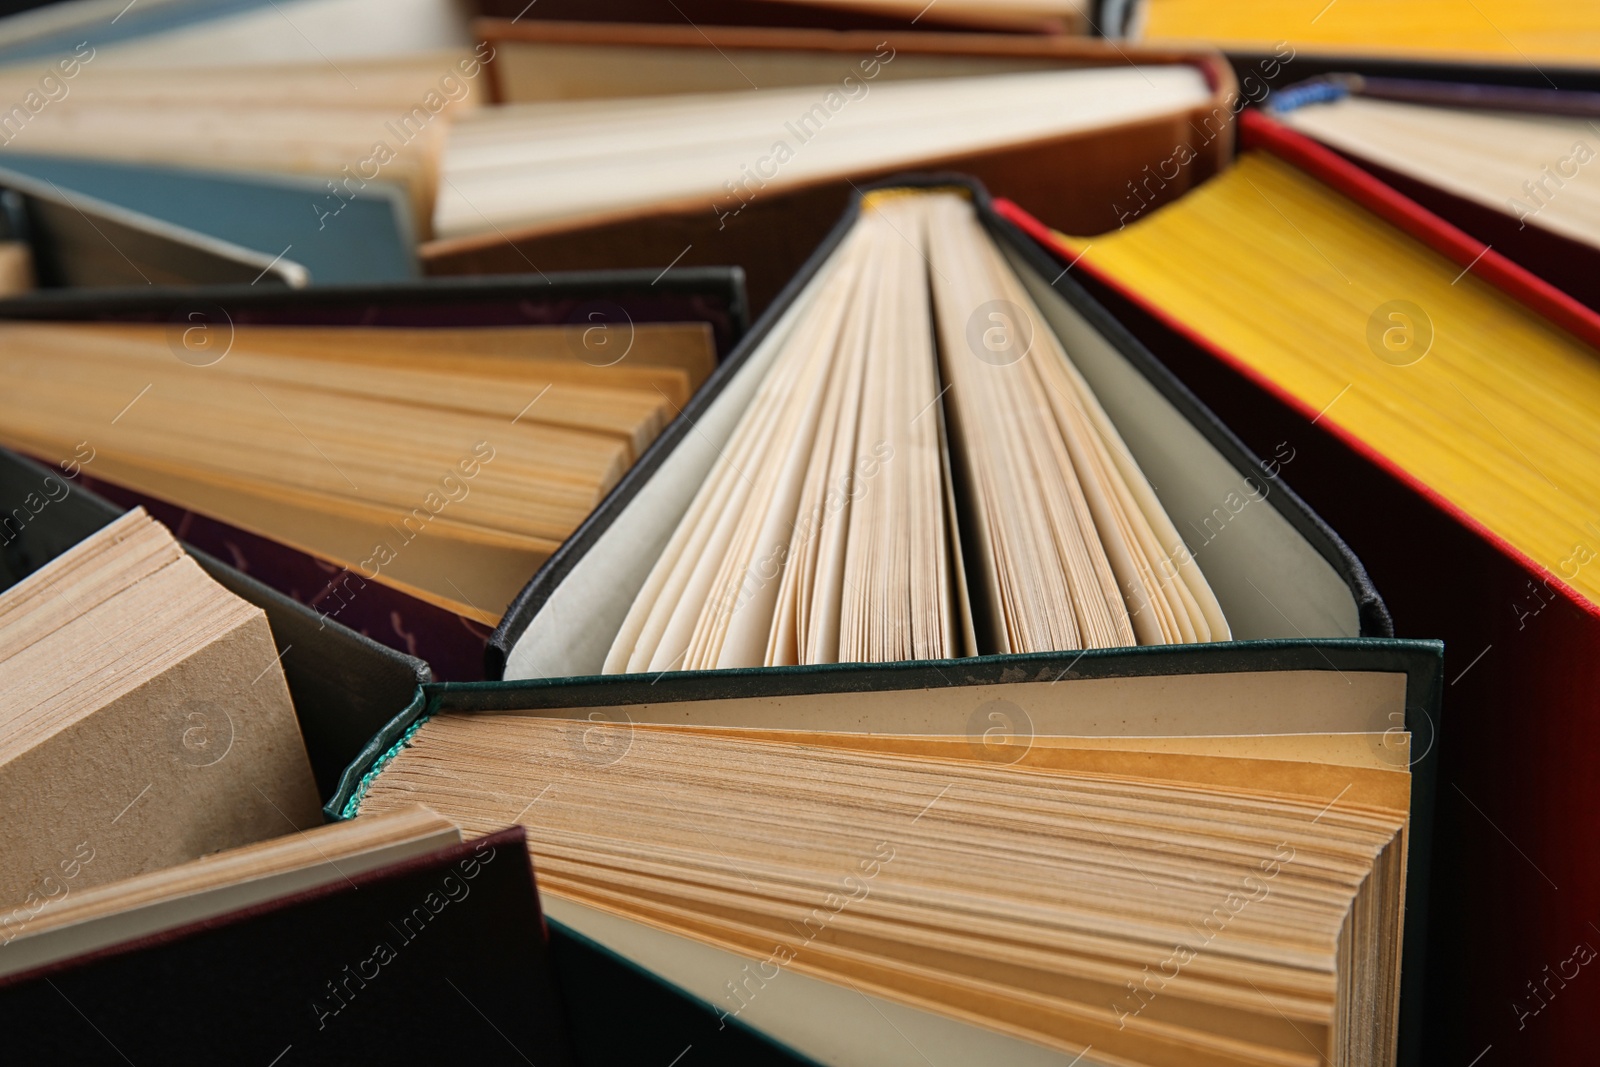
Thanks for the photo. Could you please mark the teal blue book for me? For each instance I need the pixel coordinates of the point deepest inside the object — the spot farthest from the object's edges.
(339, 239)
(70, 240)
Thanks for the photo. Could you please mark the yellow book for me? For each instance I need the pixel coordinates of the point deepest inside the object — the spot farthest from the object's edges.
(1565, 31)
(1470, 392)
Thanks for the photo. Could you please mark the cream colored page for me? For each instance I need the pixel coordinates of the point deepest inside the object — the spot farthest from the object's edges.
(684, 582)
(805, 627)
(762, 527)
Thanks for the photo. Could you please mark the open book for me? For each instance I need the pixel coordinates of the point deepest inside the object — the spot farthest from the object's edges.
(922, 474)
(861, 892)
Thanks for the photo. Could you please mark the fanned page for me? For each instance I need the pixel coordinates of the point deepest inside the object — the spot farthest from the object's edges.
(1214, 902)
(1022, 388)
(923, 434)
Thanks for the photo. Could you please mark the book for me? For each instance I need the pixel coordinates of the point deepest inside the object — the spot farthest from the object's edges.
(520, 167)
(604, 306)
(1027, 16)
(446, 462)
(345, 687)
(1429, 393)
(365, 120)
(545, 61)
(859, 516)
(1313, 589)
(1520, 633)
(82, 921)
(184, 33)
(608, 298)
(367, 238)
(930, 871)
(148, 721)
(381, 937)
(72, 239)
(791, 172)
(1500, 32)
(1508, 165)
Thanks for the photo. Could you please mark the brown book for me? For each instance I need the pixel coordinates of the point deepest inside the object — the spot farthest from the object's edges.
(995, 16)
(1019, 113)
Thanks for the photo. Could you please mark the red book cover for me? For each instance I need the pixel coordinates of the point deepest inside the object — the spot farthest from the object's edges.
(1516, 883)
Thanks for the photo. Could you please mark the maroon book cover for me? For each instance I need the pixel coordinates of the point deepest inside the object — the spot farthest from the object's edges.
(442, 958)
(452, 645)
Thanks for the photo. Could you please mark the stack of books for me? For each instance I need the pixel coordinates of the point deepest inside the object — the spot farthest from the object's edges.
(803, 531)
